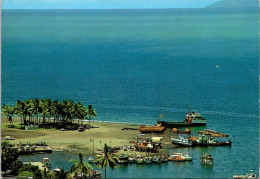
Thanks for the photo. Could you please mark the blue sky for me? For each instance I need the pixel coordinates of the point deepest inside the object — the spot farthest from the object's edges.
(103, 4)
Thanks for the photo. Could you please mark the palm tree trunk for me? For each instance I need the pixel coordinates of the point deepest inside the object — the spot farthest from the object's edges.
(105, 172)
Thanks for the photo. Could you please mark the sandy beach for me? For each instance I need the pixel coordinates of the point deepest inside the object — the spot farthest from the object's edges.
(74, 141)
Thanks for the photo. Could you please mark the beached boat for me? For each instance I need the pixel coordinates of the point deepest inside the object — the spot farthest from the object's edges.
(187, 131)
(191, 119)
(247, 176)
(122, 159)
(206, 159)
(208, 140)
(152, 129)
(181, 141)
(46, 162)
(91, 159)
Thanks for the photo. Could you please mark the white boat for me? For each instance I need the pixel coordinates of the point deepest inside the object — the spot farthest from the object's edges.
(180, 157)
(91, 159)
(247, 176)
(181, 141)
(46, 162)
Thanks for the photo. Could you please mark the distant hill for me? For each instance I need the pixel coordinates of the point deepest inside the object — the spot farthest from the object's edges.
(235, 4)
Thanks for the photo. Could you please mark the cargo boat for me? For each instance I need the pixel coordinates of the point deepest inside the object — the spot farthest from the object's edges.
(152, 129)
(191, 119)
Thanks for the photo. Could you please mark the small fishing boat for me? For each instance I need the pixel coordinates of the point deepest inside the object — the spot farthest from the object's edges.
(181, 141)
(164, 158)
(139, 160)
(247, 176)
(46, 162)
(122, 159)
(206, 159)
(157, 159)
(91, 159)
(148, 160)
(180, 157)
(131, 159)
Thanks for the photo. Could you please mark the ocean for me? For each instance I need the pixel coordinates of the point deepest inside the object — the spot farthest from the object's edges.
(133, 65)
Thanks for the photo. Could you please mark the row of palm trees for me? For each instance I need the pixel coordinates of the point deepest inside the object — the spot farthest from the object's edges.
(101, 161)
(42, 111)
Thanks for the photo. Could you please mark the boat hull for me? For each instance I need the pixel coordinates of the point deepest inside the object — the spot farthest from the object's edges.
(195, 143)
(180, 124)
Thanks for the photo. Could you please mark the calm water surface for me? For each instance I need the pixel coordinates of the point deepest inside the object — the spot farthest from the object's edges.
(134, 64)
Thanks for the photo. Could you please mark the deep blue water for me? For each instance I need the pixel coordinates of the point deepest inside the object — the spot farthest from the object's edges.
(133, 65)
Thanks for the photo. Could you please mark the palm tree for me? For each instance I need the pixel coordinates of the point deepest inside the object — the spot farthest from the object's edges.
(21, 109)
(105, 160)
(29, 108)
(56, 110)
(36, 108)
(91, 112)
(80, 166)
(79, 112)
(8, 111)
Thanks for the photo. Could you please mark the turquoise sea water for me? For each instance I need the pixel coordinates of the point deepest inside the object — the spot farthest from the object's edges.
(134, 64)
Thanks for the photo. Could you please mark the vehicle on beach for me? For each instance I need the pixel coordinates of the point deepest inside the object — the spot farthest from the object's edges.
(191, 119)
(181, 141)
(81, 129)
(206, 159)
(9, 138)
(247, 176)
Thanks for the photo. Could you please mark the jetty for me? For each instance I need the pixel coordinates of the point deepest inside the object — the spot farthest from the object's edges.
(24, 150)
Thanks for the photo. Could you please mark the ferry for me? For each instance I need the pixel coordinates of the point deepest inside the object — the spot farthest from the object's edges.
(191, 119)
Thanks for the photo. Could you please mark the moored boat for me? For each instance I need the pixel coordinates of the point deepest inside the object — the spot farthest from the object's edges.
(247, 176)
(46, 162)
(180, 157)
(91, 159)
(131, 159)
(181, 141)
(148, 160)
(209, 140)
(206, 159)
(122, 159)
(139, 160)
(157, 159)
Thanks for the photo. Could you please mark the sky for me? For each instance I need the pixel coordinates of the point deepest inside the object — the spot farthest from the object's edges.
(103, 4)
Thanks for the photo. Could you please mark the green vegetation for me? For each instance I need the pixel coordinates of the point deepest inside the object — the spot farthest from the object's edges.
(80, 167)
(105, 160)
(48, 114)
(9, 158)
(31, 169)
